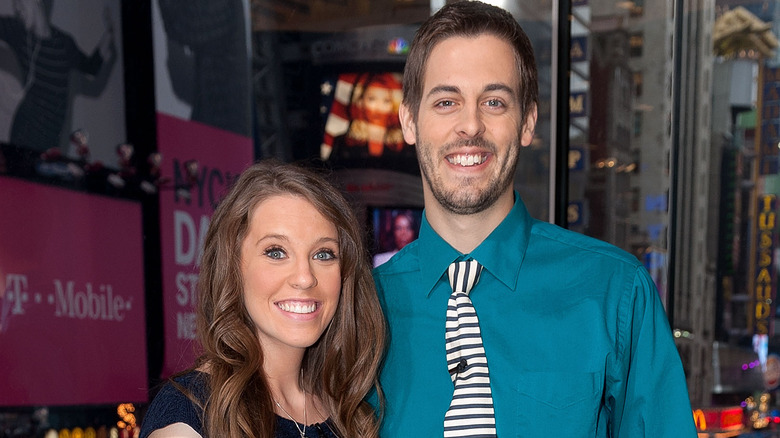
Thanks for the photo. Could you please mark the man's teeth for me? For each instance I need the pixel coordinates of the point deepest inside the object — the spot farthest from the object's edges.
(297, 307)
(466, 159)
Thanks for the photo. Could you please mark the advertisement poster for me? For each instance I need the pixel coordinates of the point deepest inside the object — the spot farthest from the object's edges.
(202, 62)
(72, 324)
(203, 96)
(363, 129)
(363, 142)
(67, 66)
(203, 99)
(202, 162)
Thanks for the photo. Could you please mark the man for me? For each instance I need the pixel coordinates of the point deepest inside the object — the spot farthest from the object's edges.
(575, 337)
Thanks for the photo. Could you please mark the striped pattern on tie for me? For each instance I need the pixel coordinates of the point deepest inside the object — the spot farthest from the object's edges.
(471, 410)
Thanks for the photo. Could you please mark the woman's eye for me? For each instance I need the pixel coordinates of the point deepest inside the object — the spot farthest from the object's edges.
(275, 253)
(325, 254)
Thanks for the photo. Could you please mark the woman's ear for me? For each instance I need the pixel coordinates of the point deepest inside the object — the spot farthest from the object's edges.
(407, 124)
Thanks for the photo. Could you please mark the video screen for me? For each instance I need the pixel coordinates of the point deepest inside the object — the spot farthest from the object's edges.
(393, 228)
(362, 129)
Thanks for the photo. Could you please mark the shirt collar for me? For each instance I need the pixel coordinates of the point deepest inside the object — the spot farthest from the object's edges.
(501, 253)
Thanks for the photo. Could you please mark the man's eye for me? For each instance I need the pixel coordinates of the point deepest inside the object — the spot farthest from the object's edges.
(445, 103)
(496, 103)
(275, 253)
(325, 255)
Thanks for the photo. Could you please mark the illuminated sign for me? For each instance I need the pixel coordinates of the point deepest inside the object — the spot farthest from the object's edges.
(700, 420)
(772, 372)
(718, 419)
(576, 155)
(658, 202)
(577, 104)
(574, 213)
(579, 49)
(765, 278)
(768, 120)
(71, 266)
(398, 46)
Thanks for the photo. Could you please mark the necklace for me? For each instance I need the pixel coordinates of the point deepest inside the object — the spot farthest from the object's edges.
(33, 53)
(301, 431)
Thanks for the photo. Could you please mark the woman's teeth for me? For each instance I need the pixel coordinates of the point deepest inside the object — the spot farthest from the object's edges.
(297, 307)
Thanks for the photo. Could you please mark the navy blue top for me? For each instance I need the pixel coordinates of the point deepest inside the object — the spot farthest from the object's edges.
(172, 406)
(47, 65)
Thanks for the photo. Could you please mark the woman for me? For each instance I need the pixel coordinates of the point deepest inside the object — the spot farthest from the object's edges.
(375, 125)
(288, 318)
(373, 138)
(404, 231)
(48, 58)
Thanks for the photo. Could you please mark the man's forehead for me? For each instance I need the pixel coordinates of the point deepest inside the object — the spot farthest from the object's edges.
(458, 64)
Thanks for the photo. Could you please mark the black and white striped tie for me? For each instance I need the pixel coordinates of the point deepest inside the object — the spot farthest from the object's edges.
(471, 410)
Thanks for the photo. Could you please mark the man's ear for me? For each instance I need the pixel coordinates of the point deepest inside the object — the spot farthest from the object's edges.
(407, 124)
(527, 135)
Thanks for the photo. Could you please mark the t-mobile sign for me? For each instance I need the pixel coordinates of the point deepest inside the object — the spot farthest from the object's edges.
(72, 326)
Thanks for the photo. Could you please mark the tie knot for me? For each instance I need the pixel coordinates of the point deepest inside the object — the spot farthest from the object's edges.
(464, 275)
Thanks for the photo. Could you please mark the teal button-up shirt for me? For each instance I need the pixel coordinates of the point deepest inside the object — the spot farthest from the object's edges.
(576, 337)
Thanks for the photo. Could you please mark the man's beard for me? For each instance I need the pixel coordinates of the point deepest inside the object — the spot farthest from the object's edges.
(460, 200)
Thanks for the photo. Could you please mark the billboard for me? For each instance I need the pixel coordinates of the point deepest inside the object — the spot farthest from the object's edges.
(203, 103)
(72, 325)
(768, 132)
(201, 163)
(69, 68)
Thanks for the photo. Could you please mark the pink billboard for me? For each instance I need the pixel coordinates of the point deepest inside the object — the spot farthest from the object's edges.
(72, 325)
(200, 162)
(203, 99)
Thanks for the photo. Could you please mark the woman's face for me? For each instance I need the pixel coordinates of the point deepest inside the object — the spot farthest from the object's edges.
(377, 104)
(402, 231)
(29, 11)
(291, 270)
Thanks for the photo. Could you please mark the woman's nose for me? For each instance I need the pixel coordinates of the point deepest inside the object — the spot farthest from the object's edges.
(303, 276)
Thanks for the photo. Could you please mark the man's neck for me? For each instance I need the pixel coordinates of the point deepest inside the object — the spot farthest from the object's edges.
(466, 232)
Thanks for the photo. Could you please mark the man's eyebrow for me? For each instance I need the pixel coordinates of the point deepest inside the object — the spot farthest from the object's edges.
(499, 87)
(443, 89)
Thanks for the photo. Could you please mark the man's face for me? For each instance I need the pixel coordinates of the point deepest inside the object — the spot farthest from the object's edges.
(468, 130)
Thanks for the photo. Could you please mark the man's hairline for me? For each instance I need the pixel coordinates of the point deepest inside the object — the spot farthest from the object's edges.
(424, 68)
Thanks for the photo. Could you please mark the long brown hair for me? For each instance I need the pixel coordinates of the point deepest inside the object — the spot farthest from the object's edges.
(470, 19)
(340, 368)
